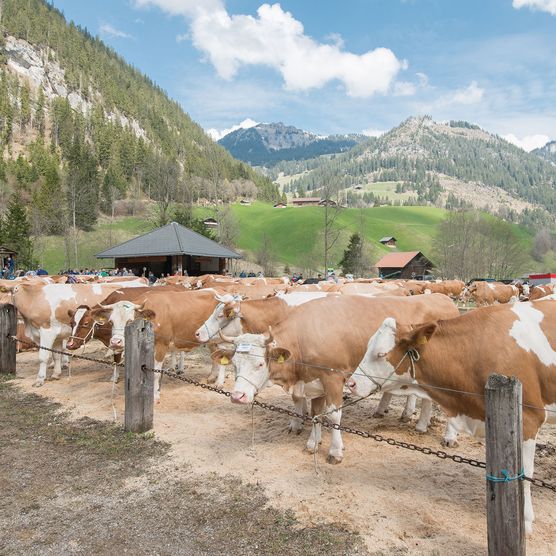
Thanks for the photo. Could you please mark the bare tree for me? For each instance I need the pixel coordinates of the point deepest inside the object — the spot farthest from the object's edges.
(228, 226)
(265, 256)
(331, 230)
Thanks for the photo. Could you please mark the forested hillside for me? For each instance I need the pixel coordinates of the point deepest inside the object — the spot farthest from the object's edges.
(80, 129)
(450, 165)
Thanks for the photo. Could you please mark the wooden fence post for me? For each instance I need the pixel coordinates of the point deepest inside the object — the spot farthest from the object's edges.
(139, 384)
(8, 347)
(505, 522)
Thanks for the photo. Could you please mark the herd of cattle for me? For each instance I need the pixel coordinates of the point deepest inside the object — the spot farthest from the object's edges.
(400, 337)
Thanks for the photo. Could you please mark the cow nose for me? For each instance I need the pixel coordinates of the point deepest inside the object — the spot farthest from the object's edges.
(239, 397)
(351, 384)
(69, 344)
(116, 342)
(197, 334)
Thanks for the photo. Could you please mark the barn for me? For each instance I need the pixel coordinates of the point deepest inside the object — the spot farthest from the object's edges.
(403, 265)
(169, 250)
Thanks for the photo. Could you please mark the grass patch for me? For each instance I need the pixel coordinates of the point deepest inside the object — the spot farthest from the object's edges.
(88, 487)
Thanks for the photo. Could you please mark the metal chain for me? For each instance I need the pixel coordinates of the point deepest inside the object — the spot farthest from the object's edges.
(305, 418)
(72, 355)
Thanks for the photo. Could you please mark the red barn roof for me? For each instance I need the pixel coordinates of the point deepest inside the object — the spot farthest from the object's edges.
(397, 260)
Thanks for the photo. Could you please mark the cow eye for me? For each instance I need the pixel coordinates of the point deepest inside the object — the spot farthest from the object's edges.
(381, 355)
(261, 364)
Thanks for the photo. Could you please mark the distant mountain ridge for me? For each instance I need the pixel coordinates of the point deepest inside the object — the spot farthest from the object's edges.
(443, 164)
(266, 144)
(548, 152)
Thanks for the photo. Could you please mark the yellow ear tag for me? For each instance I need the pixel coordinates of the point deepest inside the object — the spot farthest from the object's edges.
(281, 359)
(224, 360)
(422, 341)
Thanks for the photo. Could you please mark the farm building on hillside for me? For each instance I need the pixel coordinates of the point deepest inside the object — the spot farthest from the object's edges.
(169, 250)
(280, 206)
(403, 265)
(389, 241)
(306, 201)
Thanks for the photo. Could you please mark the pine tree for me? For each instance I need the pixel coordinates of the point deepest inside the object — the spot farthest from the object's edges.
(17, 232)
(351, 261)
(25, 108)
(39, 121)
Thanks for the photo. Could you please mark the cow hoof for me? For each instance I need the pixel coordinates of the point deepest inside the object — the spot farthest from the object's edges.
(296, 429)
(56, 377)
(38, 383)
(333, 460)
(449, 442)
(211, 380)
(421, 428)
(405, 418)
(312, 448)
(378, 415)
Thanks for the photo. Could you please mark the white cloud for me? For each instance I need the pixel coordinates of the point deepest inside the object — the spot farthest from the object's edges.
(541, 5)
(109, 30)
(472, 94)
(274, 38)
(529, 142)
(370, 132)
(217, 134)
(182, 37)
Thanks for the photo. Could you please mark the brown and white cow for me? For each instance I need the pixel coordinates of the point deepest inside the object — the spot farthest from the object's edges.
(84, 328)
(237, 317)
(490, 293)
(538, 292)
(459, 354)
(175, 316)
(45, 312)
(318, 346)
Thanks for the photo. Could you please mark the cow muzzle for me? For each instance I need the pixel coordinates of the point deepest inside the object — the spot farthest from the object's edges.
(116, 343)
(239, 397)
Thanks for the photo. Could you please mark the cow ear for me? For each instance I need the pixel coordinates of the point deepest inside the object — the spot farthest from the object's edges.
(280, 354)
(222, 356)
(231, 311)
(100, 316)
(71, 313)
(146, 314)
(420, 336)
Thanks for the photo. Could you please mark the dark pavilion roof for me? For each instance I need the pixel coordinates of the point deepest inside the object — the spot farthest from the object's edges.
(172, 239)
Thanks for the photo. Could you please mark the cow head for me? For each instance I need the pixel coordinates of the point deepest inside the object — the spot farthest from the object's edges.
(385, 355)
(224, 314)
(118, 315)
(82, 327)
(251, 356)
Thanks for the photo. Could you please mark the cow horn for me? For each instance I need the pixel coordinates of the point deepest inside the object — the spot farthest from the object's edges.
(111, 306)
(227, 339)
(270, 338)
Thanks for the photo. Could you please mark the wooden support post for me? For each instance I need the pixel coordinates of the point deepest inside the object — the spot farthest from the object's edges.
(8, 328)
(505, 522)
(139, 384)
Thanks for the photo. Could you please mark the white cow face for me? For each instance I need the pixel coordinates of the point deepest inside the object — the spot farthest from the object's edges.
(221, 317)
(375, 362)
(119, 314)
(250, 360)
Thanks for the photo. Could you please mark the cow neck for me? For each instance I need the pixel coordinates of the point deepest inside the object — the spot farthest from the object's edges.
(443, 363)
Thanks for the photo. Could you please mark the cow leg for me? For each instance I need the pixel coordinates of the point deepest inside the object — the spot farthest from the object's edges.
(382, 408)
(409, 409)
(300, 404)
(57, 364)
(450, 435)
(116, 371)
(221, 375)
(157, 376)
(181, 364)
(336, 451)
(528, 459)
(425, 417)
(317, 408)
(65, 358)
(46, 339)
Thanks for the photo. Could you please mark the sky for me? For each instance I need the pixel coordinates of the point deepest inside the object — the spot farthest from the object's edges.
(342, 66)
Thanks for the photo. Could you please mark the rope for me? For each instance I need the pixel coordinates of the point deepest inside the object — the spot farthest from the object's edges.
(506, 478)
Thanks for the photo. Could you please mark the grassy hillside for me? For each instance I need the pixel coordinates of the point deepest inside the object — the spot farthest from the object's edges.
(293, 233)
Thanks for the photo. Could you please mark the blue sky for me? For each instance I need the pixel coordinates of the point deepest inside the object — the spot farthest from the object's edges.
(338, 66)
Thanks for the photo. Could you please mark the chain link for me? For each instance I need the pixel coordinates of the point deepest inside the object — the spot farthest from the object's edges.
(72, 355)
(305, 418)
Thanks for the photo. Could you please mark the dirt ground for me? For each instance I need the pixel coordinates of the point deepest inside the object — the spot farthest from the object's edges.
(400, 502)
